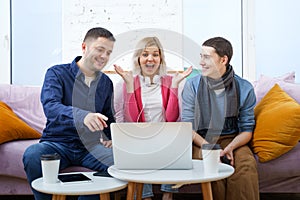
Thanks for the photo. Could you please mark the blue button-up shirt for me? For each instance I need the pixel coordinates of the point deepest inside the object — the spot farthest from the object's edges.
(67, 100)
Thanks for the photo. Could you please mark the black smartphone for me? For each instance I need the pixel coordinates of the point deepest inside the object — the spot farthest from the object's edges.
(225, 160)
(73, 178)
(104, 174)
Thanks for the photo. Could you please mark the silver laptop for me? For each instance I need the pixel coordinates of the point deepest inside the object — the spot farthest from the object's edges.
(165, 145)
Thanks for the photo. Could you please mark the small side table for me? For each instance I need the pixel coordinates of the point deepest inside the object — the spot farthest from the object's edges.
(99, 185)
(136, 178)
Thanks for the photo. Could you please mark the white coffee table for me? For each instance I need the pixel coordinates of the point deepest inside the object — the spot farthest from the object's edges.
(136, 178)
(99, 185)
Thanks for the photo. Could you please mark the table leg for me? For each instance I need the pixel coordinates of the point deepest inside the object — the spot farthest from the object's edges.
(206, 191)
(139, 190)
(117, 195)
(58, 197)
(130, 190)
(105, 196)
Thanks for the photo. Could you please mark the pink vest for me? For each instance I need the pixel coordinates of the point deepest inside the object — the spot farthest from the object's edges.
(133, 101)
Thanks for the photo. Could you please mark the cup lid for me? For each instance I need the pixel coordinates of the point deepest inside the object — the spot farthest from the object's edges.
(211, 146)
(53, 156)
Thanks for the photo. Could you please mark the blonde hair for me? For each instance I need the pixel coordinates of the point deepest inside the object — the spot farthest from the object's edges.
(141, 46)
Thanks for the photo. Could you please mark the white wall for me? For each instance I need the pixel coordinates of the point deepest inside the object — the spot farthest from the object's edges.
(277, 37)
(128, 20)
(186, 24)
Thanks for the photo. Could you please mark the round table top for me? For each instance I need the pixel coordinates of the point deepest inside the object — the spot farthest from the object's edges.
(167, 176)
(98, 185)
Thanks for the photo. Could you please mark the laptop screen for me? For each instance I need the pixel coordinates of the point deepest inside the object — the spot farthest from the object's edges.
(162, 145)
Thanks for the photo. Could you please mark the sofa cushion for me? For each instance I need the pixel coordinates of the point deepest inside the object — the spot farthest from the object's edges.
(11, 157)
(11, 163)
(12, 127)
(277, 125)
(265, 83)
(288, 77)
(281, 175)
(25, 102)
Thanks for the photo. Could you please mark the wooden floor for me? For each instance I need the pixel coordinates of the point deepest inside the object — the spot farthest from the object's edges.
(176, 197)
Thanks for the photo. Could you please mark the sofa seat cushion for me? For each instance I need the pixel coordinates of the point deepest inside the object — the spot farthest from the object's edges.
(11, 163)
(281, 175)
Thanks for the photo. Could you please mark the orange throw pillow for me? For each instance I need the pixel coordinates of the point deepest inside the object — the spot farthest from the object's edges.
(12, 127)
(277, 124)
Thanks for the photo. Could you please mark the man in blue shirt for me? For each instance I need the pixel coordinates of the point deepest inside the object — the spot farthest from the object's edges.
(77, 101)
(220, 105)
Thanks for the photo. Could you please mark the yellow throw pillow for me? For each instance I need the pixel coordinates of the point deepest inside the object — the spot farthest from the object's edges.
(12, 127)
(277, 124)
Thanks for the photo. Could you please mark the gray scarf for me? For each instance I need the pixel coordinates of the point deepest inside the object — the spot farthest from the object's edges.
(205, 106)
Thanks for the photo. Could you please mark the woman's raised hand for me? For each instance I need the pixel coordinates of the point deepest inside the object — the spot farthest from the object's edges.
(178, 77)
(126, 76)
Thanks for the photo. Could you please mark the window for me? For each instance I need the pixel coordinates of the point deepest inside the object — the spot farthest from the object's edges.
(259, 31)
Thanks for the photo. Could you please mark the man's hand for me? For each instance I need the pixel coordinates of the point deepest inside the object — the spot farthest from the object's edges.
(198, 140)
(228, 151)
(241, 139)
(107, 143)
(95, 121)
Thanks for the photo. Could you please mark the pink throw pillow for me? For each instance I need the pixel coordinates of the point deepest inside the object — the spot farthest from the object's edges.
(288, 77)
(25, 102)
(265, 83)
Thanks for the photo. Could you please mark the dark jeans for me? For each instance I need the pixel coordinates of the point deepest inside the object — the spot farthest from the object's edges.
(98, 158)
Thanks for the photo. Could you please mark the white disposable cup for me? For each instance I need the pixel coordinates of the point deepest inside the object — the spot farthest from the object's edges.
(211, 158)
(50, 167)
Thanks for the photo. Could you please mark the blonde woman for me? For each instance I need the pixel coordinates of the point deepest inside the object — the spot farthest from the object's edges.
(150, 95)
